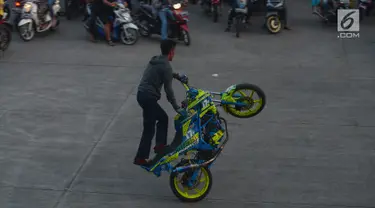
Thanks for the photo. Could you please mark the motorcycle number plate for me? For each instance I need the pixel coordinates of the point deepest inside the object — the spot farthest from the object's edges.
(26, 16)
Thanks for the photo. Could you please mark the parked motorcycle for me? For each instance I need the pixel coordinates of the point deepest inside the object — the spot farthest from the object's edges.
(36, 18)
(365, 7)
(149, 23)
(123, 27)
(329, 13)
(240, 16)
(275, 16)
(212, 7)
(5, 35)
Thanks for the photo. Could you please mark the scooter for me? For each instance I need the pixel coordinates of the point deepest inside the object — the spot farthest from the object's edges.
(123, 27)
(37, 19)
(275, 16)
(149, 23)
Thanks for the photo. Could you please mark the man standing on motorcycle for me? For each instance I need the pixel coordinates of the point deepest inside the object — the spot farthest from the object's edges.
(158, 73)
(102, 9)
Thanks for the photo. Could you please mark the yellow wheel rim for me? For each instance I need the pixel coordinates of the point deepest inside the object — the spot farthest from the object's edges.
(257, 103)
(184, 191)
(273, 24)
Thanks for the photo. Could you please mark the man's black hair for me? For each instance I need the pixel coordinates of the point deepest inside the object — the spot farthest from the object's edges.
(166, 46)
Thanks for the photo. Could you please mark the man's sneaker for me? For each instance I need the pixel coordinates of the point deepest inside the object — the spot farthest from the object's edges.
(141, 162)
(227, 29)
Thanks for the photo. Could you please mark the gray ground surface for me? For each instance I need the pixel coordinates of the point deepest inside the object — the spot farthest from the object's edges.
(70, 124)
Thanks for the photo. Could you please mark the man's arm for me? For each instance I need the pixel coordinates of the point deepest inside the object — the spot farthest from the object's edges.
(107, 2)
(167, 78)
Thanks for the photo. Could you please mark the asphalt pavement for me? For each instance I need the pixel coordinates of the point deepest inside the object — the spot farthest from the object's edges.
(70, 124)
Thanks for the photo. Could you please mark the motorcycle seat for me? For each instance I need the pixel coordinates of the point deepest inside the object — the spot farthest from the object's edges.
(148, 9)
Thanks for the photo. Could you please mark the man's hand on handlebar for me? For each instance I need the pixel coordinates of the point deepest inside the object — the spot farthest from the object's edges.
(182, 78)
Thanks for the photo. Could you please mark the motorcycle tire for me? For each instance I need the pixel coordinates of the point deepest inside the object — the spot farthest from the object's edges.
(144, 29)
(273, 24)
(30, 37)
(133, 32)
(174, 183)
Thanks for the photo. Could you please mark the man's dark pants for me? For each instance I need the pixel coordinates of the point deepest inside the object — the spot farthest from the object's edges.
(153, 115)
(92, 21)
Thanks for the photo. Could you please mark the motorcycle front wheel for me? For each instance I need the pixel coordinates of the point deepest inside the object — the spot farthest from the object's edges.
(26, 34)
(130, 37)
(250, 98)
(215, 12)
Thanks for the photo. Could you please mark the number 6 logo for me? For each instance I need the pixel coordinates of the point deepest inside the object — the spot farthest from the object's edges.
(347, 18)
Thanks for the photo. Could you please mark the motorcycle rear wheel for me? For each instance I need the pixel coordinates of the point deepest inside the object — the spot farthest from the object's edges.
(205, 178)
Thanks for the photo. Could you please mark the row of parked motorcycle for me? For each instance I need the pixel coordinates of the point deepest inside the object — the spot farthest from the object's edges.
(31, 17)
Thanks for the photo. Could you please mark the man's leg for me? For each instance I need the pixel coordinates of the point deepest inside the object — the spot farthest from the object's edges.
(50, 7)
(161, 127)
(107, 28)
(285, 17)
(164, 24)
(231, 15)
(91, 24)
(149, 120)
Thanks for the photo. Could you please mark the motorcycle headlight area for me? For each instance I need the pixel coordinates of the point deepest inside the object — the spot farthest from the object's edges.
(126, 17)
(27, 7)
(177, 6)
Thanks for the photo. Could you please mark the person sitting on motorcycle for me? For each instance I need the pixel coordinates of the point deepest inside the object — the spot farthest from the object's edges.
(102, 9)
(319, 6)
(50, 7)
(235, 4)
(158, 73)
(164, 12)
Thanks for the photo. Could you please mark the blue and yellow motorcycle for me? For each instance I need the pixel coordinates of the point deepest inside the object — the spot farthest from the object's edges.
(202, 135)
